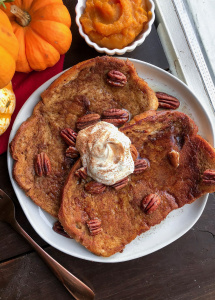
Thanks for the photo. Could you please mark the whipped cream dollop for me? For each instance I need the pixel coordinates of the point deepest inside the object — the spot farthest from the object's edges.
(105, 152)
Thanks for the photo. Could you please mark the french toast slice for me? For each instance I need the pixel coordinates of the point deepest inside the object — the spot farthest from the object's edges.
(82, 89)
(177, 180)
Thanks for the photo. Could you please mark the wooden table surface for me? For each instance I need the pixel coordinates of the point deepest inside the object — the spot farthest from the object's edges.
(183, 270)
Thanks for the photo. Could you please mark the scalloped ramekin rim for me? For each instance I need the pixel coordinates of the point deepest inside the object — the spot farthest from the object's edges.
(137, 42)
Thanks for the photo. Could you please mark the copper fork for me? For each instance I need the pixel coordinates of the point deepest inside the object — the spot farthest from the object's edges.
(76, 288)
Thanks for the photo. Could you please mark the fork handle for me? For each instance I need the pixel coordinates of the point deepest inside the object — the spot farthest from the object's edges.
(77, 288)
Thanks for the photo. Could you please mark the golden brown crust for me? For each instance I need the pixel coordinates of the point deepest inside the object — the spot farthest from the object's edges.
(155, 135)
(67, 76)
(62, 103)
(151, 102)
(122, 220)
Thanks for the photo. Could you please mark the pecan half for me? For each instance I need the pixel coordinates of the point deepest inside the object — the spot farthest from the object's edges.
(87, 120)
(72, 152)
(140, 165)
(115, 116)
(173, 157)
(167, 101)
(94, 187)
(81, 173)
(42, 164)
(208, 177)
(120, 184)
(69, 136)
(116, 78)
(83, 101)
(57, 227)
(150, 203)
(134, 152)
(94, 226)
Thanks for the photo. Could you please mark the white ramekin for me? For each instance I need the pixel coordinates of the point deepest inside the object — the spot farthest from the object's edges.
(80, 7)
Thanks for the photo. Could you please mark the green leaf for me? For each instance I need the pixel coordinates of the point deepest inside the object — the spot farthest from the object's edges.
(2, 2)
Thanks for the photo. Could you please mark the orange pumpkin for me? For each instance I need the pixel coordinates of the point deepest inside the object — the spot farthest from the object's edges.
(7, 106)
(8, 50)
(42, 28)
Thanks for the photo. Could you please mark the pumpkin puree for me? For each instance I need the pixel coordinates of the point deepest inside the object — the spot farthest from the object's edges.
(114, 23)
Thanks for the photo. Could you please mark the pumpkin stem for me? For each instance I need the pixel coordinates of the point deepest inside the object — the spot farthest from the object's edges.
(22, 17)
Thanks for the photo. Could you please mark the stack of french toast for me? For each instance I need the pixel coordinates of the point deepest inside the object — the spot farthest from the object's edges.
(171, 164)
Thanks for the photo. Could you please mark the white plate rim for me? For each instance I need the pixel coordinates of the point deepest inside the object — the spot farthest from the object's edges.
(98, 258)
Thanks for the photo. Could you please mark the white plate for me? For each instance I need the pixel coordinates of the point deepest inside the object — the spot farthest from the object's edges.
(177, 222)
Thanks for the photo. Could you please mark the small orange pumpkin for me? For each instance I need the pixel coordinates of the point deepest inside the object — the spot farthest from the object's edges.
(42, 28)
(8, 50)
(7, 106)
